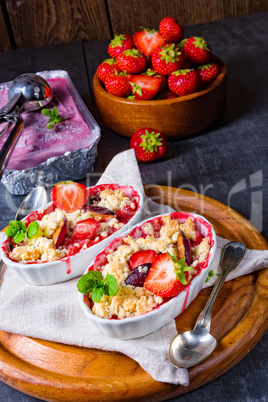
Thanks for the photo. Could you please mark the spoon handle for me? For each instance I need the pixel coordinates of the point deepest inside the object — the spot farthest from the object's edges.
(8, 146)
(232, 254)
(11, 103)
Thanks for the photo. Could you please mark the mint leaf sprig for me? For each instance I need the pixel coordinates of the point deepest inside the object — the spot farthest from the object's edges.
(18, 230)
(180, 268)
(54, 117)
(93, 282)
(210, 275)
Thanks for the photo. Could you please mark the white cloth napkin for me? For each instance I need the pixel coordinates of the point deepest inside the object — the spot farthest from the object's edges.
(53, 312)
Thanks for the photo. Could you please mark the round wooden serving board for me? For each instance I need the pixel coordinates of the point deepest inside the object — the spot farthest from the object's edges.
(57, 372)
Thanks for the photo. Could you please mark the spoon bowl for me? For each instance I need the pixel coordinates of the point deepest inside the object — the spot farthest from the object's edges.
(192, 347)
(37, 198)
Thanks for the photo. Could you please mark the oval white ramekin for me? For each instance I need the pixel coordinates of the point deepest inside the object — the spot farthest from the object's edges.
(135, 327)
(49, 273)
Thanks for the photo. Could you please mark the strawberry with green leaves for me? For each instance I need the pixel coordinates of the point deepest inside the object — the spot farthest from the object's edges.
(149, 144)
(184, 82)
(119, 44)
(131, 61)
(144, 87)
(148, 40)
(106, 68)
(69, 196)
(167, 58)
(197, 51)
(167, 276)
(118, 85)
(170, 30)
(208, 72)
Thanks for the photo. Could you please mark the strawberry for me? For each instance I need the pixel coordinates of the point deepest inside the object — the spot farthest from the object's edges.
(119, 44)
(166, 277)
(167, 58)
(184, 82)
(144, 87)
(170, 30)
(86, 229)
(153, 73)
(142, 257)
(118, 85)
(131, 61)
(167, 95)
(148, 40)
(106, 68)
(197, 50)
(149, 144)
(182, 43)
(69, 196)
(208, 72)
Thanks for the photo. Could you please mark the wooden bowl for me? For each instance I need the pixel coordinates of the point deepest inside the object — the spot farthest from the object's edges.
(176, 118)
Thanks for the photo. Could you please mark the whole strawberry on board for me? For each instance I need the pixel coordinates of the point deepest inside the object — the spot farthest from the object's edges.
(119, 44)
(118, 85)
(131, 61)
(148, 40)
(208, 72)
(197, 50)
(106, 68)
(167, 58)
(149, 144)
(144, 87)
(184, 82)
(69, 196)
(170, 30)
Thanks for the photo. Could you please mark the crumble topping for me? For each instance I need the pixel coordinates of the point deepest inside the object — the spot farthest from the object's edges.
(132, 301)
(41, 249)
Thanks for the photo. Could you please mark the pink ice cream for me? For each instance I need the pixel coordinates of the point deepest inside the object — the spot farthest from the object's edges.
(72, 133)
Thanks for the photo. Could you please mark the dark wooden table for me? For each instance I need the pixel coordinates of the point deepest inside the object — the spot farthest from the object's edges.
(228, 162)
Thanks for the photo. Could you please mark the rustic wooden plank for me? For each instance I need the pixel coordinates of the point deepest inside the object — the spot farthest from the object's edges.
(4, 38)
(43, 22)
(128, 17)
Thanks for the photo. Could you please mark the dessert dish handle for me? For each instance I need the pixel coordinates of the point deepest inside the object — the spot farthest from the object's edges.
(8, 146)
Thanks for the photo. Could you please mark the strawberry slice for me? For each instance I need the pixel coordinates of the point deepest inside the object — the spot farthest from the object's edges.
(142, 257)
(148, 40)
(166, 277)
(144, 87)
(69, 196)
(86, 229)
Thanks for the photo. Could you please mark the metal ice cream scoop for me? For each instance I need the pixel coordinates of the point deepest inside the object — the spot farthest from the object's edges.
(27, 93)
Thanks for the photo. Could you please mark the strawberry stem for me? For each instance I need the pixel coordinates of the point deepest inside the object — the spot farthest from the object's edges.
(150, 141)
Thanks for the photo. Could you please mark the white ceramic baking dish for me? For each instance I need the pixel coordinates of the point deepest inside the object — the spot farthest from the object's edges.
(135, 327)
(49, 273)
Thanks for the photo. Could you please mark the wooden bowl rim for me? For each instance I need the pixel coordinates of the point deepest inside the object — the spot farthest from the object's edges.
(98, 87)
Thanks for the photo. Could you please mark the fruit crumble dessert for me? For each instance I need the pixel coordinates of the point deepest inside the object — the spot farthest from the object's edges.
(77, 219)
(146, 268)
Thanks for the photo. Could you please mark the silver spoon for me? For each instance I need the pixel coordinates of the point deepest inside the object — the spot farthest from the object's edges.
(27, 92)
(192, 347)
(37, 198)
